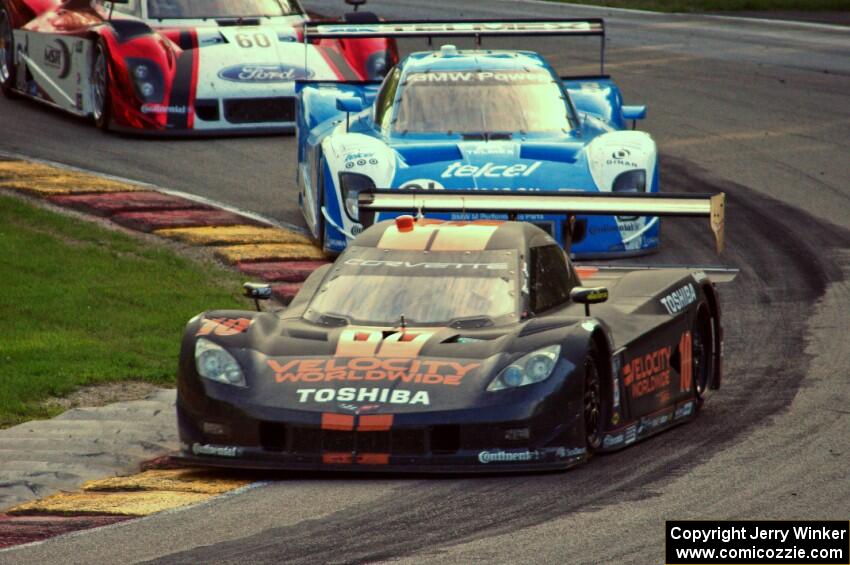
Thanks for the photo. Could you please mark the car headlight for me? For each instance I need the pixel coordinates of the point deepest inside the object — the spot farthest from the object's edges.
(352, 184)
(216, 364)
(147, 78)
(528, 369)
(630, 181)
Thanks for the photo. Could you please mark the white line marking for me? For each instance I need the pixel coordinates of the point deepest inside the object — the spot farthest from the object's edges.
(736, 19)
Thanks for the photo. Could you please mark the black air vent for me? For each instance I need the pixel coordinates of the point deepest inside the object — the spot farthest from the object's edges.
(259, 110)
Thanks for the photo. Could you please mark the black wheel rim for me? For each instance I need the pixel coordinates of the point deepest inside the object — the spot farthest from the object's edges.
(6, 47)
(592, 405)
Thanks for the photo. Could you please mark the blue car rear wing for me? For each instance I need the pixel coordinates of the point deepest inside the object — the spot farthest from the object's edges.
(569, 203)
(469, 28)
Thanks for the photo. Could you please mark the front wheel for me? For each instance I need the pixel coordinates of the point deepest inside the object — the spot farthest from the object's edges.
(101, 106)
(593, 403)
(7, 55)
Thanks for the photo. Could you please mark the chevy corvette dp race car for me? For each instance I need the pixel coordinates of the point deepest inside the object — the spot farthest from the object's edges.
(434, 345)
(474, 120)
(166, 66)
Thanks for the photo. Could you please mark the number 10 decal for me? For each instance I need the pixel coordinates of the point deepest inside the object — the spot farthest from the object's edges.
(686, 354)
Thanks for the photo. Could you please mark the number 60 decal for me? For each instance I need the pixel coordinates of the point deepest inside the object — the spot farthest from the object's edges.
(248, 40)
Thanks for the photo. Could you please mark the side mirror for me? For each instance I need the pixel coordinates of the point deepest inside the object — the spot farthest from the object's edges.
(634, 113)
(355, 3)
(589, 295)
(349, 105)
(257, 292)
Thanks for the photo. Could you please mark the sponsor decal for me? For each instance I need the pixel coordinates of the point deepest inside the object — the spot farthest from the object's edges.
(613, 440)
(358, 409)
(508, 456)
(648, 373)
(686, 353)
(422, 184)
(160, 109)
(490, 170)
(57, 55)
(360, 160)
(210, 40)
(371, 369)
(652, 422)
(490, 148)
(359, 157)
(621, 157)
(223, 326)
(679, 299)
(219, 450)
(356, 229)
(383, 395)
(521, 77)
(616, 366)
(264, 73)
(409, 265)
(619, 228)
(684, 410)
(78, 46)
(564, 453)
(630, 435)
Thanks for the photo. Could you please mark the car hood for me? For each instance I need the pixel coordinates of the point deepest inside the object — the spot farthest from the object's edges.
(531, 164)
(295, 365)
(256, 57)
(515, 165)
(588, 161)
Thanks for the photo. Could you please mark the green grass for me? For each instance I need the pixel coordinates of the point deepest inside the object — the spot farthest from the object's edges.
(719, 5)
(81, 304)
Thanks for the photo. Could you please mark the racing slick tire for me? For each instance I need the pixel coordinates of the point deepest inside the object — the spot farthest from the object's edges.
(7, 54)
(319, 240)
(100, 87)
(702, 353)
(592, 403)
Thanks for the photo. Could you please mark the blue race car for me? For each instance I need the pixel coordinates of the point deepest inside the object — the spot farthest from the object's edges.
(474, 120)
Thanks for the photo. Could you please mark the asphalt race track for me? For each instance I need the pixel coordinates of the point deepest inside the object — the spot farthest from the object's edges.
(759, 110)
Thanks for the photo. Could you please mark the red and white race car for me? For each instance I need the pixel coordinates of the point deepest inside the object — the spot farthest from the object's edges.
(183, 66)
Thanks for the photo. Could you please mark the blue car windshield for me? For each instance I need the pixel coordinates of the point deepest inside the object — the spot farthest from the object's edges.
(470, 102)
(377, 287)
(199, 9)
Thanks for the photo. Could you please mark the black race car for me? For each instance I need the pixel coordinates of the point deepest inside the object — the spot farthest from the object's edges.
(455, 346)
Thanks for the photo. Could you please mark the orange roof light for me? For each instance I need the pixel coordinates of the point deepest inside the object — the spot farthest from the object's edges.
(404, 223)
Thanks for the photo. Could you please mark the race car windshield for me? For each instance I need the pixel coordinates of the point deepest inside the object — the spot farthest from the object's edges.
(201, 9)
(377, 287)
(480, 102)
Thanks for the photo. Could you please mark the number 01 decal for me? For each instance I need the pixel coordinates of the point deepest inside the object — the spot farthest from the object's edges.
(686, 354)
(249, 40)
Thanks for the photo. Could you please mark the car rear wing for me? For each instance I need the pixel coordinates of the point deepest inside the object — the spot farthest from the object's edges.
(465, 28)
(570, 203)
(717, 274)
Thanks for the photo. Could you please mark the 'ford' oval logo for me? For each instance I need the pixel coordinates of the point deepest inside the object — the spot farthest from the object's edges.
(264, 73)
